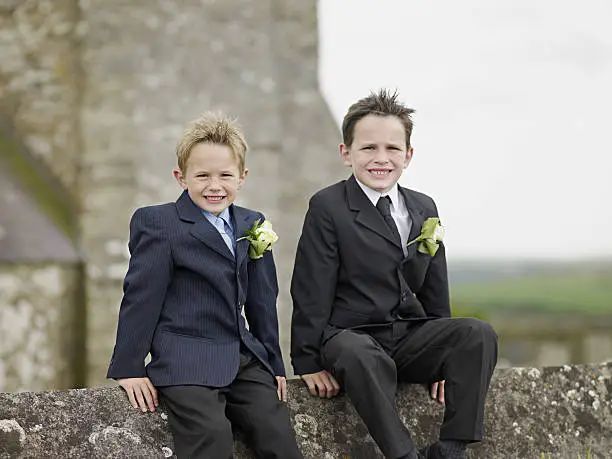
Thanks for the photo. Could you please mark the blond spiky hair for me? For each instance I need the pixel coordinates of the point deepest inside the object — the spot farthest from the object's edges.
(212, 127)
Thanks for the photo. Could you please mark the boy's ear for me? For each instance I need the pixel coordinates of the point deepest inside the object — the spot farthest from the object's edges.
(345, 155)
(178, 175)
(242, 177)
(409, 154)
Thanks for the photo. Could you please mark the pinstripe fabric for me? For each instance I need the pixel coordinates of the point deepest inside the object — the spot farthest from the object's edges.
(183, 295)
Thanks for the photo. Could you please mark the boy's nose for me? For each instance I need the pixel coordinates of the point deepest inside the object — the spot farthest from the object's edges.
(214, 184)
(381, 156)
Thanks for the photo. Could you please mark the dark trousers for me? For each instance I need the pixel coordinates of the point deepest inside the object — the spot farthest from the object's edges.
(201, 417)
(368, 362)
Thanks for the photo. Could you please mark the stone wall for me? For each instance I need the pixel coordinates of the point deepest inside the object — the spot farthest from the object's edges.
(41, 305)
(151, 67)
(40, 342)
(41, 81)
(556, 413)
(98, 91)
(536, 340)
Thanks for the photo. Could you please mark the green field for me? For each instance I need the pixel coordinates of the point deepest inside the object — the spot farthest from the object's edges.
(589, 293)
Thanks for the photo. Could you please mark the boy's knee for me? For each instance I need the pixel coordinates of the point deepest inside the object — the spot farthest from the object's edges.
(221, 432)
(204, 440)
(479, 330)
(486, 331)
(347, 351)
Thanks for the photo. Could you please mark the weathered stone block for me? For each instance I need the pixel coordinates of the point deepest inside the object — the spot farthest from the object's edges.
(40, 346)
(563, 412)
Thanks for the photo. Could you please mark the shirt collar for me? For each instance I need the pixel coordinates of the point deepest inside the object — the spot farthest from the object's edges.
(374, 195)
(225, 216)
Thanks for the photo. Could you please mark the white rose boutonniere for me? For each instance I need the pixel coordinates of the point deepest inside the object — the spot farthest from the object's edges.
(431, 235)
(261, 236)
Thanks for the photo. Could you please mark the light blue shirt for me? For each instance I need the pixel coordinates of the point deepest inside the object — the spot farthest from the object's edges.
(223, 223)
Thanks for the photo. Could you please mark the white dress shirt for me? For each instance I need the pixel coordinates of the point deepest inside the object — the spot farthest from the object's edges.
(399, 211)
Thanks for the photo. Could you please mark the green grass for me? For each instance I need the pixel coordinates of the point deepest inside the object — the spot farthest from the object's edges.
(567, 293)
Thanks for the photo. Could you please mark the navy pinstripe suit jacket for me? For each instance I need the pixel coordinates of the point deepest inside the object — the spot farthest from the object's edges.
(183, 296)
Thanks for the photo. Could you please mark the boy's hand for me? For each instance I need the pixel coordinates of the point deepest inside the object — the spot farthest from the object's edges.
(437, 392)
(282, 388)
(322, 384)
(141, 393)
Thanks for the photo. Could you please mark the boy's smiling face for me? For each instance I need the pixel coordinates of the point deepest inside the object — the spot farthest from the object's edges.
(379, 153)
(211, 177)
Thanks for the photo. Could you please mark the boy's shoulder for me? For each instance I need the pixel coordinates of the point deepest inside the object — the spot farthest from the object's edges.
(247, 213)
(329, 193)
(158, 215)
(337, 191)
(422, 199)
(168, 208)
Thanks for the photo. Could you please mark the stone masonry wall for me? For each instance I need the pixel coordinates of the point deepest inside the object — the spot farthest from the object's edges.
(39, 330)
(99, 91)
(151, 67)
(308, 140)
(555, 413)
(41, 80)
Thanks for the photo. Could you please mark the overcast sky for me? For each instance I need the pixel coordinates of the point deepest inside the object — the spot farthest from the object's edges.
(513, 130)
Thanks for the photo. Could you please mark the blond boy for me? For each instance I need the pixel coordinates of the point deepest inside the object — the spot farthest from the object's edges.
(190, 284)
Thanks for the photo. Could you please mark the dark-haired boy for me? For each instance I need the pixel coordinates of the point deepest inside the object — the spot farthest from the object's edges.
(370, 309)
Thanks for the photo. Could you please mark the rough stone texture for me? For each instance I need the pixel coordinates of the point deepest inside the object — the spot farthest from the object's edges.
(308, 144)
(98, 91)
(39, 340)
(40, 81)
(562, 412)
(152, 66)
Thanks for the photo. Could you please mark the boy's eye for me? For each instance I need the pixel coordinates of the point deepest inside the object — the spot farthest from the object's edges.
(227, 175)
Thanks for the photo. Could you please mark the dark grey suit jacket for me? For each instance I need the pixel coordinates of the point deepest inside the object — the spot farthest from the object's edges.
(183, 296)
(350, 272)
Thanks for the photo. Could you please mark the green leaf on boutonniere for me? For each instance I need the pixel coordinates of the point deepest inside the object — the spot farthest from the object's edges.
(261, 236)
(431, 235)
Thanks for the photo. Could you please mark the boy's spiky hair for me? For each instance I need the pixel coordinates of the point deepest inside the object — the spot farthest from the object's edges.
(382, 103)
(212, 127)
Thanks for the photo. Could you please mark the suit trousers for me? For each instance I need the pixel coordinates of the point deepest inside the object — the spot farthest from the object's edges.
(369, 361)
(201, 418)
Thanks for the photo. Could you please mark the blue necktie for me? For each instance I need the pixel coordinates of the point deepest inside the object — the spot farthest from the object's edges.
(226, 233)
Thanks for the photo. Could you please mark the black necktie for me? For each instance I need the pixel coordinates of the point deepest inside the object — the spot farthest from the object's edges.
(384, 207)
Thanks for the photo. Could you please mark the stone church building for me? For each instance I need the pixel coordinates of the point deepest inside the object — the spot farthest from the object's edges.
(93, 97)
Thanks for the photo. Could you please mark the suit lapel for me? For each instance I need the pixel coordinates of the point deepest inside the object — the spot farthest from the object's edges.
(367, 215)
(417, 217)
(202, 229)
(244, 221)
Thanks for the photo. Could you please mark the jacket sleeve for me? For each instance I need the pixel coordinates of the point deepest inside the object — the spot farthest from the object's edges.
(260, 308)
(313, 286)
(144, 291)
(434, 294)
